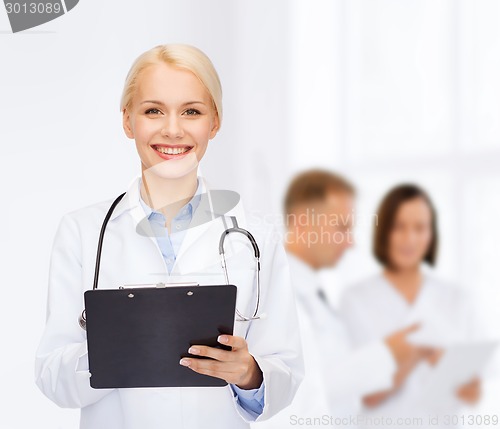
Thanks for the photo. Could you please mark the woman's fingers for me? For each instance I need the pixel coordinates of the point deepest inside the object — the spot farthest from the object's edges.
(470, 392)
(231, 366)
(199, 365)
(230, 372)
(237, 343)
(211, 352)
(433, 355)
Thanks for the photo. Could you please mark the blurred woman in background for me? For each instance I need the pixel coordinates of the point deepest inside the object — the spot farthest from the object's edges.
(405, 292)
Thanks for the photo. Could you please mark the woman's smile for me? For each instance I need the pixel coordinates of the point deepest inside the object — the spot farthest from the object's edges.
(171, 151)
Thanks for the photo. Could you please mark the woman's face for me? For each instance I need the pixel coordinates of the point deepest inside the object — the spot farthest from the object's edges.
(411, 234)
(171, 119)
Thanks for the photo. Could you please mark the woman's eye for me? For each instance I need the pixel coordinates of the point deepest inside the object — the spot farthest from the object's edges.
(192, 112)
(152, 110)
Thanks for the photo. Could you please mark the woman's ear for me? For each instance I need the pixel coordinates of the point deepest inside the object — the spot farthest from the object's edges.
(126, 124)
(215, 127)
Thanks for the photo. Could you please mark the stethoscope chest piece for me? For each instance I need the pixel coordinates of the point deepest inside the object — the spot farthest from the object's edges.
(82, 321)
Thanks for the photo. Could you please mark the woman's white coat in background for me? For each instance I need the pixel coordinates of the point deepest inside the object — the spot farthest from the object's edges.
(337, 375)
(374, 308)
(131, 255)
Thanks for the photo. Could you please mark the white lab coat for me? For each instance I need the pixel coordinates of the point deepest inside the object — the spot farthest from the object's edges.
(336, 374)
(374, 308)
(129, 257)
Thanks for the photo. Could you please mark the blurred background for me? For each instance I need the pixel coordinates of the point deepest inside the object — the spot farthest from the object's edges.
(382, 91)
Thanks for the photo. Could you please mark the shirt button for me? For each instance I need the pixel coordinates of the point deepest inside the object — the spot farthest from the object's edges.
(177, 227)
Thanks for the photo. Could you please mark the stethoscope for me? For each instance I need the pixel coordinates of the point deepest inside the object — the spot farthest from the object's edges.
(235, 229)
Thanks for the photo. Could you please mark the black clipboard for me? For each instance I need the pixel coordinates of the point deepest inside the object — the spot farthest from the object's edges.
(137, 335)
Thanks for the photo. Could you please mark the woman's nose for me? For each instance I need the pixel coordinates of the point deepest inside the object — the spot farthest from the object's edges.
(172, 128)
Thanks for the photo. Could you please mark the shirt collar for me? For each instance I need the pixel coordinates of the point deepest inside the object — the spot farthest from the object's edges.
(191, 205)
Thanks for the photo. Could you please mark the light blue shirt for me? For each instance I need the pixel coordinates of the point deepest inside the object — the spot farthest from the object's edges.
(170, 243)
(251, 400)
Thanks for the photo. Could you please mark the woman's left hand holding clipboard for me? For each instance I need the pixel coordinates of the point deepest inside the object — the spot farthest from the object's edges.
(236, 366)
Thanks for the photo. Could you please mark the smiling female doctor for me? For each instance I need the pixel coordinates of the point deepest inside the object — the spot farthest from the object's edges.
(160, 232)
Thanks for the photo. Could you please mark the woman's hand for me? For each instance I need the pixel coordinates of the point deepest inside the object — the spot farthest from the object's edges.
(236, 366)
(434, 355)
(470, 392)
(413, 356)
(375, 399)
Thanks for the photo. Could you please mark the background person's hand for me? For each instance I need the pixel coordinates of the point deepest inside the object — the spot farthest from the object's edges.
(375, 399)
(407, 356)
(433, 356)
(418, 354)
(470, 392)
(414, 356)
(402, 350)
(236, 366)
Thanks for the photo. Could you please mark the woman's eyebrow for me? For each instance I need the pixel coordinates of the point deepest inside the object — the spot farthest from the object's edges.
(193, 102)
(152, 101)
(183, 104)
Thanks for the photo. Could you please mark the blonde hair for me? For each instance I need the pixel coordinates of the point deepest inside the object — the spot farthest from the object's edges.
(178, 55)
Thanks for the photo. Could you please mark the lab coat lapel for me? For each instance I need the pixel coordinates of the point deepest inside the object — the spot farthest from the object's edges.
(199, 249)
(203, 223)
(131, 203)
(200, 246)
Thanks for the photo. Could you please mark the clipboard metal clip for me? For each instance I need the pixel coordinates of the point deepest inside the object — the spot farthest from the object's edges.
(157, 285)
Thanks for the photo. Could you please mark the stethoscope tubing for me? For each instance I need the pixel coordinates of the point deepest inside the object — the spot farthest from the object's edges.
(225, 233)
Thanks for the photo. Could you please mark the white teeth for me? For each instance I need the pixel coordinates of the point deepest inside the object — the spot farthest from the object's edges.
(171, 150)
